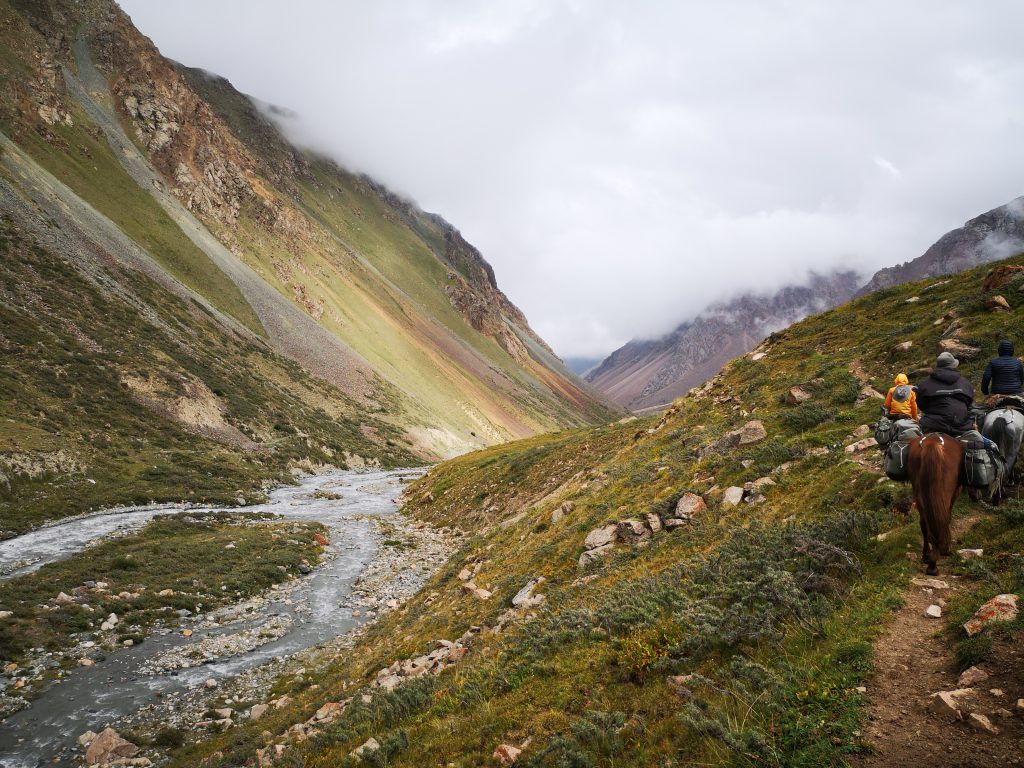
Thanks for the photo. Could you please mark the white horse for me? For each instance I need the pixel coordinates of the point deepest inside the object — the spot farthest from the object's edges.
(1005, 428)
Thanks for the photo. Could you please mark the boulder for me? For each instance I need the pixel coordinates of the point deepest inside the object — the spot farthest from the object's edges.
(796, 395)
(1001, 275)
(950, 703)
(733, 495)
(958, 348)
(328, 711)
(752, 432)
(506, 754)
(86, 738)
(862, 431)
(320, 539)
(632, 532)
(108, 746)
(256, 711)
(689, 506)
(465, 574)
(524, 595)
(482, 594)
(999, 608)
(933, 611)
(370, 745)
(998, 303)
(868, 393)
(600, 537)
(653, 522)
(596, 554)
(903, 346)
(210, 683)
(759, 485)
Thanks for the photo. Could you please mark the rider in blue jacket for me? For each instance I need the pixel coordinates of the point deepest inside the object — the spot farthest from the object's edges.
(1004, 375)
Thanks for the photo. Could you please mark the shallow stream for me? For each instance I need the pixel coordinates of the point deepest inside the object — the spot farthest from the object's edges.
(88, 698)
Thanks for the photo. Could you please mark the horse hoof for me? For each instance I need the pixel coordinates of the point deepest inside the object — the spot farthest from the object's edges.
(933, 570)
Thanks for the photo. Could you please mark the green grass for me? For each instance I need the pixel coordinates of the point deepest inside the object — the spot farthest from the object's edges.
(773, 607)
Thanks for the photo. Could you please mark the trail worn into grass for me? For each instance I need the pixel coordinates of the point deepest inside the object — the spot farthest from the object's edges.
(912, 662)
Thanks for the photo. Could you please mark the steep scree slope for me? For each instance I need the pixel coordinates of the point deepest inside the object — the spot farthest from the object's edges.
(359, 287)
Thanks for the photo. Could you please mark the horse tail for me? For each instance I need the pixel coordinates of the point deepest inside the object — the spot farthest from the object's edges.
(934, 492)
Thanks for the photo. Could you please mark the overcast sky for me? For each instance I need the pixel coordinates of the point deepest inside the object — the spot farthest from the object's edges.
(623, 164)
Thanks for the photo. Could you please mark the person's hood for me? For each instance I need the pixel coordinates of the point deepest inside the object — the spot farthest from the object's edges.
(946, 375)
(1005, 348)
(901, 378)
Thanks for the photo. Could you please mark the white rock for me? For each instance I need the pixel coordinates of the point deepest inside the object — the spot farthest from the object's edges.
(370, 745)
(210, 683)
(981, 723)
(933, 612)
(968, 554)
(733, 495)
(600, 537)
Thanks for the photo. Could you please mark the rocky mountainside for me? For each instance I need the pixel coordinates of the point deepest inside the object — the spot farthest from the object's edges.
(368, 330)
(649, 374)
(988, 237)
(732, 582)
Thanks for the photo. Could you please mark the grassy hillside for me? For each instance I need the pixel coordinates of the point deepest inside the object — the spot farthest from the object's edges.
(737, 638)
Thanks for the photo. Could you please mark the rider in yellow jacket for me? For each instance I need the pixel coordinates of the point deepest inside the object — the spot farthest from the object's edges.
(901, 401)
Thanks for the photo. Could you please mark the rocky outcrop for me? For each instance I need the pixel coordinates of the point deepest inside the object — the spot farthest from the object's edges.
(645, 374)
(989, 237)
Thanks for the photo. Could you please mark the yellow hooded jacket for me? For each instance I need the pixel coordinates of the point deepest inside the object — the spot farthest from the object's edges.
(902, 400)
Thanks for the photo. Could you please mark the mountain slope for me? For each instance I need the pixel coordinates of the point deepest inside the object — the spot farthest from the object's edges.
(649, 374)
(168, 175)
(991, 236)
(741, 636)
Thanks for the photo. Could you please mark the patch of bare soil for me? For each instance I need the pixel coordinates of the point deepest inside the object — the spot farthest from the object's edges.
(912, 662)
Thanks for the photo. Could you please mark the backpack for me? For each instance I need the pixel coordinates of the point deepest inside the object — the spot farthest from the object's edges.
(983, 466)
(895, 461)
(884, 431)
(888, 429)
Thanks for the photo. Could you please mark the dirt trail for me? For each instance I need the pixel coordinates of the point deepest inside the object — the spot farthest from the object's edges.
(911, 663)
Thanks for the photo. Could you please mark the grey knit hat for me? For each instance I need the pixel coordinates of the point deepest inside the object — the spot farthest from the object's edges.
(946, 360)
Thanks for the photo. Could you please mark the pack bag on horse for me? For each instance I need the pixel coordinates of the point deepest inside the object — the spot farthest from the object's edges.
(1003, 383)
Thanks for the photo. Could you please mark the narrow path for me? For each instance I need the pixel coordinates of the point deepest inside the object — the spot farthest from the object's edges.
(912, 663)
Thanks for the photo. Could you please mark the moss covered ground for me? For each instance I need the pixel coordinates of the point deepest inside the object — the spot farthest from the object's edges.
(771, 608)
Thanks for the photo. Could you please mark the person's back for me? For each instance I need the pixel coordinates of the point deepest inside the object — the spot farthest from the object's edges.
(946, 397)
(901, 402)
(1004, 375)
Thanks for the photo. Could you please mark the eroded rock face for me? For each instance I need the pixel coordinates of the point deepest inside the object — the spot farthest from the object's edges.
(1001, 275)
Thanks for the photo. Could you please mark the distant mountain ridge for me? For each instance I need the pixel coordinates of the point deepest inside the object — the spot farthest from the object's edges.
(648, 374)
(991, 236)
(651, 373)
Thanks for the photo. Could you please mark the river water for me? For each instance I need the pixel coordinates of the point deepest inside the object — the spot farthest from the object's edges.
(88, 698)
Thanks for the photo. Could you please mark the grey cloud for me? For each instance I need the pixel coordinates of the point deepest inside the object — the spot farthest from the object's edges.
(624, 165)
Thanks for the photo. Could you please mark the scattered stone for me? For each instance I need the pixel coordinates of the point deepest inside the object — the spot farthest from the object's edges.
(912, 300)
(918, 581)
(971, 676)
(969, 554)
(370, 745)
(64, 598)
(256, 711)
(999, 608)
(653, 522)
(998, 303)
(903, 346)
(997, 692)
(862, 431)
(83, 662)
(6, 614)
(681, 685)
(979, 722)
(210, 683)
(320, 539)
(733, 495)
(689, 506)
(861, 689)
(465, 575)
(1020, 707)
(752, 432)
(329, 711)
(797, 395)
(600, 537)
(632, 532)
(525, 597)
(224, 713)
(506, 754)
(128, 643)
(482, 594)
(958, 348)
(86, 738)
(861, 445)
(933, 612)
(165, 593)
(108, 746)
(947, 703)
(186, 633)
(758, 356)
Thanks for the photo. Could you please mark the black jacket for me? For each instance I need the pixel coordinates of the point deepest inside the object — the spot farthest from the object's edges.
(1005, 374)
(946, 397)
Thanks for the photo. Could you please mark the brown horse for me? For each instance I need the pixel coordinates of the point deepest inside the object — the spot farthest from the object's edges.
(933, 465)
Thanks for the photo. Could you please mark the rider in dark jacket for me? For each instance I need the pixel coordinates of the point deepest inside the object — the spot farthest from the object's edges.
(1004, 374)
(946, 397)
